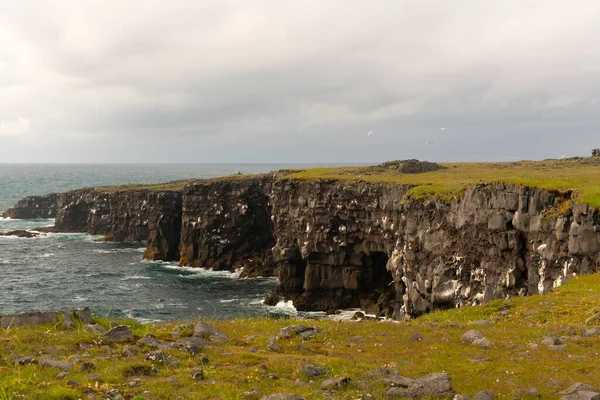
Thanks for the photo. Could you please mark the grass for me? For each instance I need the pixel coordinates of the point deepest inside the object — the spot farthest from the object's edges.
(581, 175)
(234, 369)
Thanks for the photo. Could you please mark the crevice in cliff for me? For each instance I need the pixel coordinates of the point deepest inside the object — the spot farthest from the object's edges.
(378, 292)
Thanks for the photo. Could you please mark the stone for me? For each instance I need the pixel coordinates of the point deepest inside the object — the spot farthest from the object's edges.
(197, 374)
(252, 394)
(577, 387)
(48, 362)
(119, 334)
(203, 358)
(559, 347)
(95, 328)
(127, 352)
(415, 337)
(311, 371)
(435, 384)
(483, 395)
(460, 397)
(583, 395)
(336, 383)
(26, 361)
(87, 366)
(193, 345)
(294, 330)
(550, 340)
(282, 396)
(532, 346)
(84, 315)
(209, 332)
(73, 383)
(399, 380)
(397, 393)
(470, 336)
(273, 347)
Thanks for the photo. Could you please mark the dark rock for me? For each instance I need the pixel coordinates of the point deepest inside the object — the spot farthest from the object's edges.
(410, 166)
(550, 340)
(336, 383)
(87, 366)
(273, 347)
(48, 362)
(73, 383)
(33, 207)
(203, 358)
(312, 371)
(358, 315)
(119, 334)
(399, 380)
(96, 328)
(483, 395)
(209, 332)
(20, 233)
(26, 361)
(139, 370)
(84, 315)
(197, 374)
(127, 352)
(436, 384)
(577, 387)
(583, 395)
(294, 330)
(415, 337)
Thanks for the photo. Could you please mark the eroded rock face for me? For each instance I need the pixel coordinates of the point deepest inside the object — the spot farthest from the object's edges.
(226, 225)
(32, 207)
(355, 244)
(341, 244)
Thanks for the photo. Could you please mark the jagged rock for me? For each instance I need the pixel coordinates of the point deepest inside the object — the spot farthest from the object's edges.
(119, 334)
(483, 395)
(410, 166)
(482, 343)
(399, 380)
(48, 362)
(436, 384)
(577, 387)
(335, 383)
(470, 336)
(127, 352)
(311, 371)
(197, 374)
(583, 395)
(273, 347)
(20, 233)
(209, 332)
(193, 345)
(154, 343)
(84, 315)
(295, 330)
(32, 207)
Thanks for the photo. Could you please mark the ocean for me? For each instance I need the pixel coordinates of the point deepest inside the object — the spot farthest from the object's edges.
(65, 270)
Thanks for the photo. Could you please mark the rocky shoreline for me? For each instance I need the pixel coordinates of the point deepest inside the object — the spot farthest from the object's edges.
(341, 244)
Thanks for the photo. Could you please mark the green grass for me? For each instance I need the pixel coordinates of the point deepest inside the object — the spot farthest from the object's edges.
(233, 369)
(579, 175)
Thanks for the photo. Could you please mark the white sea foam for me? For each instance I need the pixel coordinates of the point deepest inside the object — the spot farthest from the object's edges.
(127, 278)
(115, 251)
(47, 255)
(284, 309)
(196, 272)
(228, 300)
(6, 219)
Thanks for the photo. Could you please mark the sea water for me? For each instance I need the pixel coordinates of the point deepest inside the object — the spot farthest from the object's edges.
(66, 270)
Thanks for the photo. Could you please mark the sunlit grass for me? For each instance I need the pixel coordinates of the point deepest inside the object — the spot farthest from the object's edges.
(233, 368)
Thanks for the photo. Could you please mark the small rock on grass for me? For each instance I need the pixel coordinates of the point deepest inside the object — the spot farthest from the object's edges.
(397, 393)
(470, 336)
(415, 337)
(584, 395)
(197, 374)
(119, 334)
(312, 371)
(64, 365)
(335, 383)
(432, 385)
(282, 396)
(577, 387)
(482, 343)
(483, 395)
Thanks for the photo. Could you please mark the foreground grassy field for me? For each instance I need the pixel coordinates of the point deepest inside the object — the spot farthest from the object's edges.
(353, 349)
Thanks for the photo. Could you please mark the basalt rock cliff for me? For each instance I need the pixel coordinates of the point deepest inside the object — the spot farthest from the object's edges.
(337, 244)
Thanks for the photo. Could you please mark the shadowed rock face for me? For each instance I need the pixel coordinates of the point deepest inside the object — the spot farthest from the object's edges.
(33, 207)
(356, 244)
(227, 225)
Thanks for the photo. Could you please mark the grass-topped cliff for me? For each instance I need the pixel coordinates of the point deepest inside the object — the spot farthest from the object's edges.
(581, 175)
(520, 359)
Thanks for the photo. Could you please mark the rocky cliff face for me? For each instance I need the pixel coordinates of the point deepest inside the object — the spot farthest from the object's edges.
(340, 244)
(226, 225)
(33, 207)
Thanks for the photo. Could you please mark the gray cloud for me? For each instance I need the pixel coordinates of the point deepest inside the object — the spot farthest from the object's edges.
(275, 81)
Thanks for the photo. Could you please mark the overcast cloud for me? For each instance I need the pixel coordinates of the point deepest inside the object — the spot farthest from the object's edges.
(298, 81)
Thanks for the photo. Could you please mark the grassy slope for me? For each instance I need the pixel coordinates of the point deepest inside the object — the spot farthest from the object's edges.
(581, 175)
(234, 369)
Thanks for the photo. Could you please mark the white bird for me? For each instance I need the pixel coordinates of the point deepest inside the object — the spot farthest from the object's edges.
(442, 128)
(370, 132)
(427, 142)
(562, 156)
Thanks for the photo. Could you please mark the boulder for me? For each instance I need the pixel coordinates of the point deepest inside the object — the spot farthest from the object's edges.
(63, 365)
(433, 385)
(206, 331)
(312, 371)
(119, 334)
(470, 336)
(336, 383)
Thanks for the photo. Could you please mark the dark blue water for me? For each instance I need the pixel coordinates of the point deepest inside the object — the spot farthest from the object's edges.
(58, 271)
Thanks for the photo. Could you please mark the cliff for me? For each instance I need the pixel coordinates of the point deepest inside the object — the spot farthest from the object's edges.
(32, 207)
(367, 238)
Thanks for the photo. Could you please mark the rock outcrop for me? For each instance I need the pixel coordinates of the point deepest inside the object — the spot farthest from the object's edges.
(338, 244)
(32, 207)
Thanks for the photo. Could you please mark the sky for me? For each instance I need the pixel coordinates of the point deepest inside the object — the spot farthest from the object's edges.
(298, 80)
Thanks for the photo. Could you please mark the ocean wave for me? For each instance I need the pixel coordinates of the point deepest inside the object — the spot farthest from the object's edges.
(127, 278)
(284, 309)
(6, 219)
(119, 250)
(228, 300)
(47, 255)
(200, 272)
(4, 261)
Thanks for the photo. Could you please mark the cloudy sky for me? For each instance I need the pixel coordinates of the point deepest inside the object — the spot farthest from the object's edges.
(297, 81)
